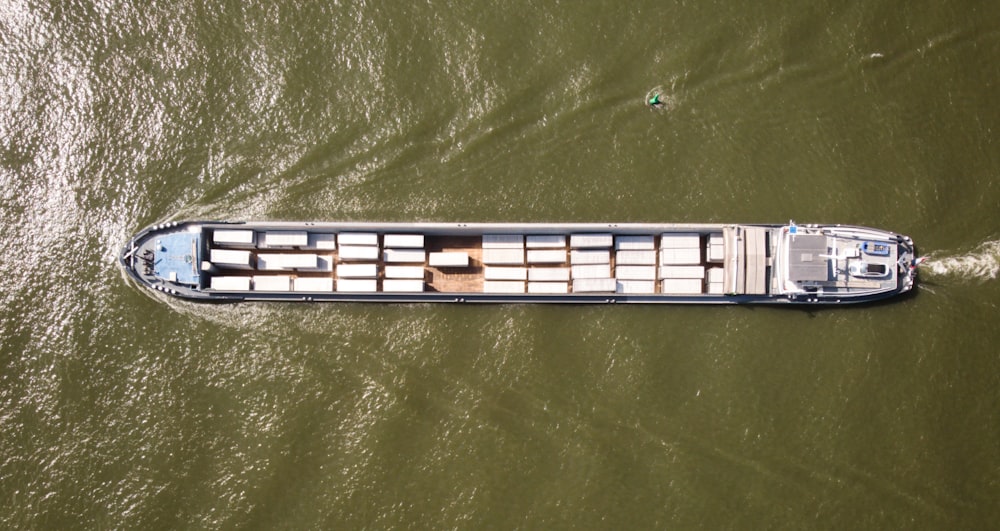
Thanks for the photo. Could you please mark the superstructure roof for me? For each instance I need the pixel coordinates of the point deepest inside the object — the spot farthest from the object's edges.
(807, 258)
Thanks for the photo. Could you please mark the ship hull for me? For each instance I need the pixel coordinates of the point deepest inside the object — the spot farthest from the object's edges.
(498, 263)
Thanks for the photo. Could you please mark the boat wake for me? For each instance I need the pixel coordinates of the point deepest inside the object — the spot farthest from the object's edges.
(982, 263)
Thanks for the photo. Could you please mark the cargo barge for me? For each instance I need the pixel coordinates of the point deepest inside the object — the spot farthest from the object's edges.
(521, 262)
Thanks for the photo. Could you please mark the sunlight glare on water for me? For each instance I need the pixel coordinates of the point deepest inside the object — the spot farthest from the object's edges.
(122, 408)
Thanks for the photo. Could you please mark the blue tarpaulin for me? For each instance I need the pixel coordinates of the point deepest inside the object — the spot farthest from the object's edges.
(177, 257)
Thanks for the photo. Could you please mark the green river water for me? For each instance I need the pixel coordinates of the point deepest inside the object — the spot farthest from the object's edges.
(123, 410)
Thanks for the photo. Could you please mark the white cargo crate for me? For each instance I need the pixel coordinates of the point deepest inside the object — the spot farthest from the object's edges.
(589, 256)
(578, 241)
(324, 241)
(231, 283)
(631, 272)
(680, 240)
(358, 238)
(539, 241)
(506, 273)
(399, 285)
(548, 287)
(357, 253)
(716, 280)
(404, 256)
(594, 285)
(409, 241)
(279, 262)
(233, 238)
(503, 286)
(680, 256)
(404, 272)
(284, 238)
(636, 286)
(231, 258)
(682, 272)
(592, 271)
(503, 241)
(681, 286)
(357, 285)
(312, 284)
(546, 256)
(716, 248)
(634, 243)
(636, 258)
(503, 256)
(272, 283)
(449, 259)
(357, 271)
(548, 274)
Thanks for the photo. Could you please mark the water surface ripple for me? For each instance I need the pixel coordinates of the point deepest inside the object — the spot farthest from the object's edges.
(121, 409)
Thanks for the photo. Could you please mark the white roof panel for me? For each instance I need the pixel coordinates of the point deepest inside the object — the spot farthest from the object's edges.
(636, 258)
(396, 271)
(233, 237)
(404, 256)
(590, 240)
(285, 238)
(681, 286)
(277, 262)
(272, 283)
(312, 284)
(536, 241)
(503, 256)
(548, 274)
(634, 243)
(408, 241)
(591, 271)
(548, 287)
(631, 272)
(506, 273)
(503, 241)
(594, 285)
(546, 256)
(716, 252)
(318, 240)
(398, 285)
(683, 272)
(357, 271)
(636, 286)
(355, 252)
(358, 238)
(357, 285)
(503, 286)
(225, 257)
(590, 256)
(689, 256)
(680, 240)
(449, 259)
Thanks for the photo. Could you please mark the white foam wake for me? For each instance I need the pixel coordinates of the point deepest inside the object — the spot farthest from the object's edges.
(982, 263)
